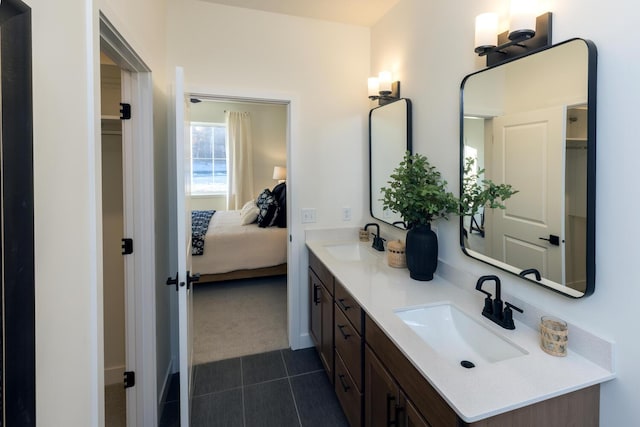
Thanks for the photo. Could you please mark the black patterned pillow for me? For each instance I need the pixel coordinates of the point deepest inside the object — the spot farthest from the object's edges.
(268, 206)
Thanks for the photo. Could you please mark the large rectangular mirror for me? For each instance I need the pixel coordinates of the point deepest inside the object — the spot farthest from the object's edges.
(530, 123)
(389, 139)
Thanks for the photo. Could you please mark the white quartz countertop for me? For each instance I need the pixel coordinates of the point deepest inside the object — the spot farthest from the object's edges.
(488, 389)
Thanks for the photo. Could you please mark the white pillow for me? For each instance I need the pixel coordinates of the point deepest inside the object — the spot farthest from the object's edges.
(249, 204)
(249, 215)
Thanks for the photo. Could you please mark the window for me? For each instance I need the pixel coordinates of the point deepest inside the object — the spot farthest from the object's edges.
(208, 158)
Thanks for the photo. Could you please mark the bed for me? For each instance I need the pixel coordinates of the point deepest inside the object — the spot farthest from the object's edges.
(235, 251)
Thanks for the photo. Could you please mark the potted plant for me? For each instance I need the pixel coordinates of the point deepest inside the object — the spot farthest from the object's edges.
(419, 193)
(479, 193)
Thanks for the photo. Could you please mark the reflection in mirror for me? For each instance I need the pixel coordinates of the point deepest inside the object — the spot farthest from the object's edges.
(389, 139)
(530, 123)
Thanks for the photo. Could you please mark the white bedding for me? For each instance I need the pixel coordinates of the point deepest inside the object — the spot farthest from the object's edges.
(230, 246)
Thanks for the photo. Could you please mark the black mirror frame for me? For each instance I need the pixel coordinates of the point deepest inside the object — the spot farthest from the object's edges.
(592, 62)
(409, 148)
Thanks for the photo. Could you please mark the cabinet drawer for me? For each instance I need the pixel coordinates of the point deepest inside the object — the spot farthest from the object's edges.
(348, 394)
(321, 271)
(348, 305)
(349, 345)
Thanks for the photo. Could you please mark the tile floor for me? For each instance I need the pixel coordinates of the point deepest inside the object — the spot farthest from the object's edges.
(278, 388)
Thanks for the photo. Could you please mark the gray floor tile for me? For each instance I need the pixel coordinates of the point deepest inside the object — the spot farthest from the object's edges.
(301, 361)
(262, 367)
(217, 376)
(270, 404)
(223, 409)
(316, 401)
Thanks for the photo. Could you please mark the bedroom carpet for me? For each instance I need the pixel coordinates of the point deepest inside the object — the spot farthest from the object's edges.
(239, 318)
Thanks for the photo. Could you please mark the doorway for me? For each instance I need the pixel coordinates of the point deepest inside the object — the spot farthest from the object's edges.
(113, 212)
(248, 315)
(137, 299)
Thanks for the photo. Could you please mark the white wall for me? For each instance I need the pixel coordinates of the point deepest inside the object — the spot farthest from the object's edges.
(322, 68)
(431, 78)
(68, 267)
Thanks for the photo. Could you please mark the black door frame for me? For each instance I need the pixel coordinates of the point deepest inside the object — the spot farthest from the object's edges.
(16, 207)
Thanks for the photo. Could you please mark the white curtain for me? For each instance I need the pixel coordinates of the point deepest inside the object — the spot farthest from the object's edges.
(240, 160)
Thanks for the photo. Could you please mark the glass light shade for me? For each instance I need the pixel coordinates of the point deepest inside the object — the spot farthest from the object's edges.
(486, 30)
(384, 79)
(373, 85)
(279, 173)
(523, 16)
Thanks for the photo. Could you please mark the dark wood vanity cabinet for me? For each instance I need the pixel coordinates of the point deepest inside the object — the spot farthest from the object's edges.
(385, 403)
(418, 398)
(321, 312)
(349, 344)
(378, 386)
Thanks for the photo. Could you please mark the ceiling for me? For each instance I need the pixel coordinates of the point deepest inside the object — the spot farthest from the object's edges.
(356, 12)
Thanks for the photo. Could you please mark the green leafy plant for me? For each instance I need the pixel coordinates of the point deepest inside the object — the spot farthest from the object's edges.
(477, 192)
(418, 192)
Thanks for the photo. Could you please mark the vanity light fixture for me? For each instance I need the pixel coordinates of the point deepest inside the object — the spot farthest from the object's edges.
(527, 33)
(383, 88)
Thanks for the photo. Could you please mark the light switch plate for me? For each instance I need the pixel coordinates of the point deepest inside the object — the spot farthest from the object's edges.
(346, 214)
(308, 215)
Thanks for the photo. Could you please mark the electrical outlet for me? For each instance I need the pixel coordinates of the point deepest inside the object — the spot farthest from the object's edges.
(346, 214)
(308, 215)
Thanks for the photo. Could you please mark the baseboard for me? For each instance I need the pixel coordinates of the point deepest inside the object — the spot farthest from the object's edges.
(304, 341)
(114, 375)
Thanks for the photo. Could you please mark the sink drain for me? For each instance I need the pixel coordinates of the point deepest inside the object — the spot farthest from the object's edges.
(467, 364)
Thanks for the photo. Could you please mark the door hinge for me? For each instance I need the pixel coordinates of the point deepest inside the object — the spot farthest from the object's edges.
(127, 246)
(125, 111)
(129, 379)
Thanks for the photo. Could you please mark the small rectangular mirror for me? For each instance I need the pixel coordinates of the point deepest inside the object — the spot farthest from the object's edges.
(389, 139)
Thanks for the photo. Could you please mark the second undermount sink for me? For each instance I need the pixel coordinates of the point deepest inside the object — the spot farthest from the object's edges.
(456, 336)
(350, 251)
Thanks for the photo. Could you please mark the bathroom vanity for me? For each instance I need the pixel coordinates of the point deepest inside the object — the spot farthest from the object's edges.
(384, 373)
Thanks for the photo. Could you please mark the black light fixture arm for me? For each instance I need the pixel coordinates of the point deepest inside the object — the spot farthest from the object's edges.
(385, 96)
(519, 42)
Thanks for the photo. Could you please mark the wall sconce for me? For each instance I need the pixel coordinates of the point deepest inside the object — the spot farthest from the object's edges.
(280, 173)
(527, 33)
(383, 88)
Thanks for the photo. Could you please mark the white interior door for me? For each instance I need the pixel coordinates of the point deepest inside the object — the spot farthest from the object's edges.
(529, 153)
(183, 227)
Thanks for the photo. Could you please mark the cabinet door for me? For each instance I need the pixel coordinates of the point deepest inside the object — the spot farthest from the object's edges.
(315, 309)
(380, 393)
(326, 342)
(411, 417)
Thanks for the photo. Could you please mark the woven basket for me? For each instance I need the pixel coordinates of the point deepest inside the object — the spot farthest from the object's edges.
(363, 235)
(554, 337)
(396, 255)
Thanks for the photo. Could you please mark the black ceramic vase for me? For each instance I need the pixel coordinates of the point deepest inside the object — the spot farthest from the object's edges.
(422, 252)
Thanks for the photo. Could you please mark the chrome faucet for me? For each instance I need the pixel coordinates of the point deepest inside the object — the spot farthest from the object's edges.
(493, 309)
(378, 242)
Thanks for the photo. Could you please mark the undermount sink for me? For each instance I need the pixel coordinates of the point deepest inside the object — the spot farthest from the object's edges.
(456, 336)
(351, 251)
